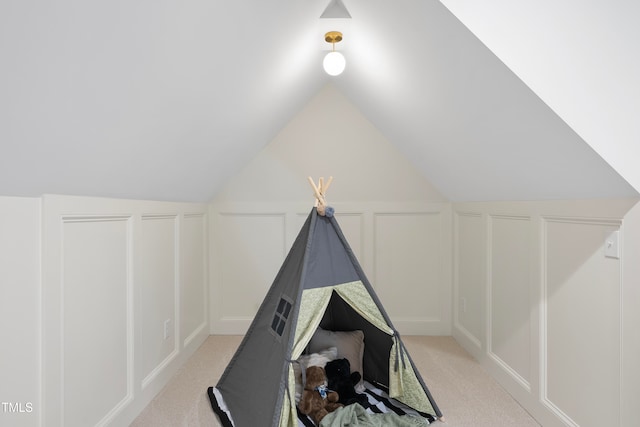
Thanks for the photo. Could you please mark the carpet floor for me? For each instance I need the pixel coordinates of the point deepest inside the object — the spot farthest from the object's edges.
(465, 393)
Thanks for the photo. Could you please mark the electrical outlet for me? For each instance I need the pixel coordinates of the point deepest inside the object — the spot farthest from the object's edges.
(612, 245)
(167, 329)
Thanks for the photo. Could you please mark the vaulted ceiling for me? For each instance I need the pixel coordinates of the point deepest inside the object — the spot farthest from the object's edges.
(167, 100)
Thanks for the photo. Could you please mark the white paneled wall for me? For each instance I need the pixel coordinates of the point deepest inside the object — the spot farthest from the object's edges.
(470, 281)
(158, 287)
(539, 303)
(124, 303)
(509, 296)
(249, 249)
(96, 318)
(403, 248)
(630, 388)
(580, 335)
(534, 298)
(194, 289)
(410, 268)
(20, 320)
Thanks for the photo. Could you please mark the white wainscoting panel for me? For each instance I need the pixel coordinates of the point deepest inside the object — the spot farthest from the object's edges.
(549, 329)
(408, 268)
(470, 277)
(110, 279)
(509, 303)
(20, 311)
(97, 318)
(581, 336)
(249, 252)
(158, 286)
(195, 285)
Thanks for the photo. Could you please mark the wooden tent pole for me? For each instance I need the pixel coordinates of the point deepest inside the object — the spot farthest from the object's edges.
(319, 192)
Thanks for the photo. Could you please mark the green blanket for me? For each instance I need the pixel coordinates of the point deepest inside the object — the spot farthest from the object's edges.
(356, 416)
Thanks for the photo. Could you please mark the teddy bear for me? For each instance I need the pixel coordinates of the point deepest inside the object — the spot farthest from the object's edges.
(317, 400)
(343, 381)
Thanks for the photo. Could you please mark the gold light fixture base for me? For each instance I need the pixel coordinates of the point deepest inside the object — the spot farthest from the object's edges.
(333, 37)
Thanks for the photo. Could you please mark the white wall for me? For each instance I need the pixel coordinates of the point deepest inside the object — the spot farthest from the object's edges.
(113, 272)
(540, 305)
(87, 285)
(397, 224)
(630, 318)
(20, 382)
(329, 136)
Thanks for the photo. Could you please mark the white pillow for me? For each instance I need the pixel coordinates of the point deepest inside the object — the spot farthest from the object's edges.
(350, 345)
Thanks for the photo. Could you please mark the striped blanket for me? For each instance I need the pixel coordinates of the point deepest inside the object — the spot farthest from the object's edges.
(379, 403)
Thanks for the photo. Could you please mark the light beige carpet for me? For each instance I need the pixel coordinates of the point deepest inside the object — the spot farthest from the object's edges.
(465, 393)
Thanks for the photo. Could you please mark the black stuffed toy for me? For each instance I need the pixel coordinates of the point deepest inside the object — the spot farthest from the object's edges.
(342, 380)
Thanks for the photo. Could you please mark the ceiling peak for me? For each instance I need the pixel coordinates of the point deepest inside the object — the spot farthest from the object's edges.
(335, 9)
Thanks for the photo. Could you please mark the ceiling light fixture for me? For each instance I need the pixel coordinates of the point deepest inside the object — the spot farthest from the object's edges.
(334, 62)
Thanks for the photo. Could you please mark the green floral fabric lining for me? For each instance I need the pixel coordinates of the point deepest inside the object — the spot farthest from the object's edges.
(403, 383)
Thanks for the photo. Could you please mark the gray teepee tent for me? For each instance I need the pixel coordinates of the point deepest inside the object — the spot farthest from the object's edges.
(320, 284)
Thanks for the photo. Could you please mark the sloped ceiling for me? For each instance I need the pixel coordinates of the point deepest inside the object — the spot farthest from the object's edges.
(167, 100)
(580, 57)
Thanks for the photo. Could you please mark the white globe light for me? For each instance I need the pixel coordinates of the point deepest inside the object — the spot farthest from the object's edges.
(334, 63)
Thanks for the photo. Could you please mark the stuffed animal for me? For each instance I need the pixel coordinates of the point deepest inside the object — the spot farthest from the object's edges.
(343, 381)
(317, 400)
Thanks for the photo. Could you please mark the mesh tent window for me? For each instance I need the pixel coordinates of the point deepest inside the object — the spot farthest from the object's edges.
(280, 316)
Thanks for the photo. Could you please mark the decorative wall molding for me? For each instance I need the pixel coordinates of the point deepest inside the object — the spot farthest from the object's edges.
(491, 241)
(494, 217)
(70, 226)
(194, 215)
(472, 339)
(201, 233)
(67, 305)
(263, 254)
(159, 369)
(556, 372)
(164, 363)
(546, 221)
(93, 218)
(471, 214)
(151, 217)
(526, 385)
(358, 223)
(613, 222)
(473, 343)
(197, 332)
(413, 264)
